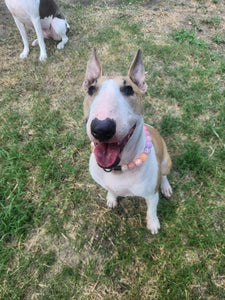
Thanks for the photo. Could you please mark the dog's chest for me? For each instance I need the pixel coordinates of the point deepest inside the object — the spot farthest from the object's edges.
(46, 23)
(121, 184)
(138, 182)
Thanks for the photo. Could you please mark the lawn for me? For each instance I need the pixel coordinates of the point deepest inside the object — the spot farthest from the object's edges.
(58, 240)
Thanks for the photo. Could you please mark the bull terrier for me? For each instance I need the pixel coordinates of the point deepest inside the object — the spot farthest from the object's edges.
(129, 158)
(46, 18)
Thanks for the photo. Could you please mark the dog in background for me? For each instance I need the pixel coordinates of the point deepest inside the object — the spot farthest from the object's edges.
(129, 158)
(46, 18)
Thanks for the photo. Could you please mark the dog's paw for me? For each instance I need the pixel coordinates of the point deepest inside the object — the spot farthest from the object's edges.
(24, 54)
(166, 187)
(111, 200)
(111, 203)
(153, 225)
(167, 192)
(60, 45)
(42, 56)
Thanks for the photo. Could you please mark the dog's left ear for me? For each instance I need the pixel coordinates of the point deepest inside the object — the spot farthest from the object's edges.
(93, 71)
(137, 72)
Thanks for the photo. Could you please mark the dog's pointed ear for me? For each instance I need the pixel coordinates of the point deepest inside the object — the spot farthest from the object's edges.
(137, 72)
(93, 71)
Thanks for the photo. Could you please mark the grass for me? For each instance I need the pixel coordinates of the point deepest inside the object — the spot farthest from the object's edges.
(212, 21)
(219, 38)
(57, 238)
(184, 35)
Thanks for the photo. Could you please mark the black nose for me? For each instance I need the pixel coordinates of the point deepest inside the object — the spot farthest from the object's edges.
(103, 130)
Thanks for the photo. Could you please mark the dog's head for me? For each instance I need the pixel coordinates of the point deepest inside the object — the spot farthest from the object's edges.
(113, 108)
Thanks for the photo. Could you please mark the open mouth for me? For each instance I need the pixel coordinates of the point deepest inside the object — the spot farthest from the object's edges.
(108, 154)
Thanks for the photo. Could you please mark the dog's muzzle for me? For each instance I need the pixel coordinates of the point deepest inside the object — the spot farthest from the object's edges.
(106, 149)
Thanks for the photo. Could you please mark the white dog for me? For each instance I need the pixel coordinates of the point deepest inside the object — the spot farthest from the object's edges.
(129, 158)
(46, 18)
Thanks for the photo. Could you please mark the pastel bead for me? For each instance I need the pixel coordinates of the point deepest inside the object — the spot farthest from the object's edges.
(148, 145)
(148, 138)
(131, 165)
(147, 150)
(143, 157)
(138, 162)
(124, 168)
(145, 128)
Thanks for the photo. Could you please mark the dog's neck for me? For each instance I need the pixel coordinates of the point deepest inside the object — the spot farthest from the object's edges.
(135, 144)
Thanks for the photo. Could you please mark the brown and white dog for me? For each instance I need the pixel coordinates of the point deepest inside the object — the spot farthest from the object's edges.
(46, 18)
(129, 158)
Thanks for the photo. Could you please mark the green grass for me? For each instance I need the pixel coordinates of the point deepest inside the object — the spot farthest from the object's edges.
(212, 21)
(57, 238)
(185, 35)
(219, 38)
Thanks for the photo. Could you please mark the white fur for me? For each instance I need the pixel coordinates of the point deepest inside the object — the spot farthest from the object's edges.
(142, 180)
(165, 187)
(26, 13)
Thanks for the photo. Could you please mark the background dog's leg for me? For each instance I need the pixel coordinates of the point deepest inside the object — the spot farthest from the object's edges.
(35, 43)
(111, 200)
(60, 28)
(152, 219)
(37, 26)
(23, 33)
(166, 187)
(63, 42)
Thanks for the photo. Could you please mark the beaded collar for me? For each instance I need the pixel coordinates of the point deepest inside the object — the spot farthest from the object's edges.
(138, 161)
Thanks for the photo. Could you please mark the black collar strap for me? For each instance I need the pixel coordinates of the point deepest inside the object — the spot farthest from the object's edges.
(108, 170)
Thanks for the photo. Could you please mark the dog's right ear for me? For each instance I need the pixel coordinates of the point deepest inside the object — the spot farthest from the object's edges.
(93, 71)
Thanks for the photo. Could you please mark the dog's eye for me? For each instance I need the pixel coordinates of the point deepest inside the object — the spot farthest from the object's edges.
(127, 90)
(91, 90)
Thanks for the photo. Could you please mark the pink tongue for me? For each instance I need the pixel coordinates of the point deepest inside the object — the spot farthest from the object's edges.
(106, 154)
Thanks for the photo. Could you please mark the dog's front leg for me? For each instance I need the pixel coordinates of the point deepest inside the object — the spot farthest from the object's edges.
(23, 33)
(63, 42)
(166, 187)
(59, 27)
(152, 219)
(111, 200)
(37, 26)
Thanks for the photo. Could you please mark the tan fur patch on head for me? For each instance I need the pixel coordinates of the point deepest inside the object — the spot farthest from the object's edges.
(135, 100)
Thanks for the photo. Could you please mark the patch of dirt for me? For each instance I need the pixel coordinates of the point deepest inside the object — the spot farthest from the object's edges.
(162, 18)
